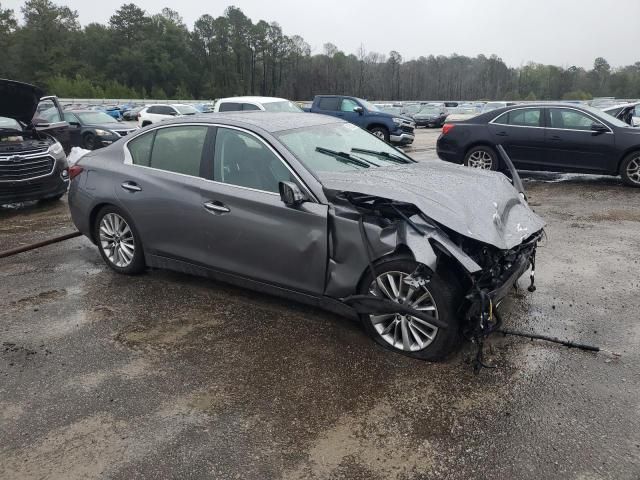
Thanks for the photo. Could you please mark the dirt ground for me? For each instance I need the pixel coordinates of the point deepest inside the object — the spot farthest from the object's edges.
(169, 376)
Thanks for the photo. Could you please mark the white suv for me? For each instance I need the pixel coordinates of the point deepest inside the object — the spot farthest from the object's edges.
(156, 113)
(268, 104)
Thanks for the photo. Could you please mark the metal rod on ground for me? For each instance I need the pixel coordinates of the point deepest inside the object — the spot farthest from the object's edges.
(44, 243)
(566, 343)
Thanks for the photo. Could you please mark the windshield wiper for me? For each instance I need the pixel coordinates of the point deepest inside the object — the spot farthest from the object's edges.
(389, 156)
(344, 157)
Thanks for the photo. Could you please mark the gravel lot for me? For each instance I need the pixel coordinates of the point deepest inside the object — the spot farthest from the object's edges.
(169, 376)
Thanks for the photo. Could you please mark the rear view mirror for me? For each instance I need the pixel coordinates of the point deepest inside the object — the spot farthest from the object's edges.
(290, 194)
(359, 110)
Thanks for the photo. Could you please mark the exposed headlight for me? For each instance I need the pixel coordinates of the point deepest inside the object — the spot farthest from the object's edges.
(56, 149)
(103, 133)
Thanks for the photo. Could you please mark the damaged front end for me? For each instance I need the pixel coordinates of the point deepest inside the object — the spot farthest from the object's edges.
(366, 228)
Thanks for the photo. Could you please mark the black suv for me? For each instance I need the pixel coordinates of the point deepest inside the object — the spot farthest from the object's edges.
(33, 164)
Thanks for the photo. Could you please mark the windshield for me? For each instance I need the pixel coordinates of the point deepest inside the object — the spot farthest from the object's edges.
(284, 106)
(411, 108)
(392, 110)
(185, 109)
(93, 118)
(430, 109)
(346, 138)
(368, 106)
(9, 123)
(492, 106)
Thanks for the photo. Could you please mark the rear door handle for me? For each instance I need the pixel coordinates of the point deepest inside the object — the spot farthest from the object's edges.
(131, 186)
(555, 138)
(216, 207)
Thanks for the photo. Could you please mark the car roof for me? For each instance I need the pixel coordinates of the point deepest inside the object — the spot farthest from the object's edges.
(253, 99)
(269, 121)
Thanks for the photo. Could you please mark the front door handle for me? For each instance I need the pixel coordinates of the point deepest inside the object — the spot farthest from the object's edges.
(216, 207)
(502, 134)
(131, 186)
(556, 138)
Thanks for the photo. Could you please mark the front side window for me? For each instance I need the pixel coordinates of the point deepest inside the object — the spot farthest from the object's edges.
(96, 118)
(570, 119)
(243, 160)
(348, 105)
(173, 149)
(48, 111)
(283, 106)
(249, 107)
(71, 118)
(529, 117)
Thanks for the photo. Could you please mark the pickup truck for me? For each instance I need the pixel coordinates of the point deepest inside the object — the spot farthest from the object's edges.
(390, 128)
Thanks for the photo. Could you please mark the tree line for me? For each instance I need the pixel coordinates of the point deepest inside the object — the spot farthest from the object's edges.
(138, 54)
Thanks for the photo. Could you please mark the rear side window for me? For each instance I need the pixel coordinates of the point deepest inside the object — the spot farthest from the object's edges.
(152, 109)
(230, 107)
(164, 110)
(179, 149)
(329, 103)
(530, 117)
(249, 106)
(172, 149)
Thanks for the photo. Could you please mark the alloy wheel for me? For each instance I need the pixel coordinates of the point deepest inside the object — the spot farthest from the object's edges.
(633, 170)
(480, 159)
(379, 134)
(404, 332)
(116, 240)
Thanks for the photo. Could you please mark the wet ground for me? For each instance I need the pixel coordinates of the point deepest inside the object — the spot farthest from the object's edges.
(169, 376)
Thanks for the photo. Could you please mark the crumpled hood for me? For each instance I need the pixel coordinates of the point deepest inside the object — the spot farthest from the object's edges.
(478, 204)
(19, 100)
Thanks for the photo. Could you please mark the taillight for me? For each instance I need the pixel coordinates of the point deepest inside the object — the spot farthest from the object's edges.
(447, 127)
(74, 171)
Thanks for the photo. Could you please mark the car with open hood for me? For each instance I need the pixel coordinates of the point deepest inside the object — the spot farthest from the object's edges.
(33, 164)
(315, 209)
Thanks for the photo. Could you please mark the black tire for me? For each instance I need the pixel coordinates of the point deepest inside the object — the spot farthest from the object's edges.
(630, 169)
(137, 263)
(381, 132)
(89, 141)
(446, 296)
(482, 151)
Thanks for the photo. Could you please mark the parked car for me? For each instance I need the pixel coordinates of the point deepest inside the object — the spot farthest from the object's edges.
(629, 113)
(265, 104)
(92, 129)
(204, 107)
(551, 137)
(388, 127)
(132, 113)
(314, 209)
(33, 165)
(430, 116)
(156, 113)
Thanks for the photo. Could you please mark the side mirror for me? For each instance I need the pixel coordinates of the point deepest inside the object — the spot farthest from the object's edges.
(599, 128)
(359, 110)
(290, 194)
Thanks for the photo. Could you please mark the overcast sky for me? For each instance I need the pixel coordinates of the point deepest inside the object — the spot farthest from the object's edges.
(560, 32)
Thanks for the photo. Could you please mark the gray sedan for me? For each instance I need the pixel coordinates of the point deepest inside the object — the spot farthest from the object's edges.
(317, 210)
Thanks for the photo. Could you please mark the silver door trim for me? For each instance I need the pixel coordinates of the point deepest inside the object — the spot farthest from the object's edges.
(128, 159)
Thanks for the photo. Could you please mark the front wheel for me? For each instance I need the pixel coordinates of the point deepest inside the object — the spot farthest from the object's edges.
(482, 157)
(89, 141)
(406, 334)
(630, 169)
(118, 241)
(381, 132)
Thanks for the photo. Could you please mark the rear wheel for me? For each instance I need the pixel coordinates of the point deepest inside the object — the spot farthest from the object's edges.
(406, 334)
(482, 157)
(630, 169)
(381, 132)
(118, 241)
